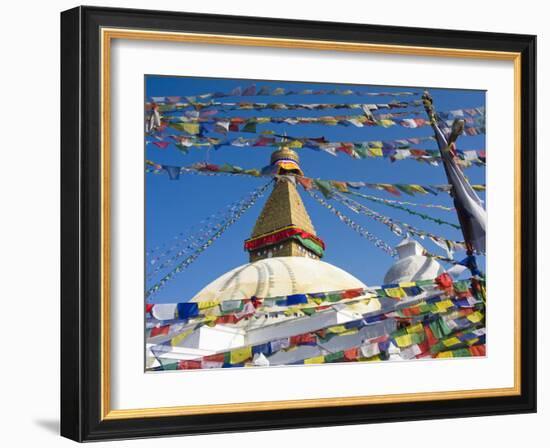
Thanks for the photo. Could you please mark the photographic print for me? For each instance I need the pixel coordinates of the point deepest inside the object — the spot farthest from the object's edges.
(296, 223)
(249, 201)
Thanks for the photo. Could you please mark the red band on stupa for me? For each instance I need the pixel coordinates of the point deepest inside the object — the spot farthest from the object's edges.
(280, 235)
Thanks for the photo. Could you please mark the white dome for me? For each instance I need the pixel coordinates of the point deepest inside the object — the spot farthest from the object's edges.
(413, 268)
(278, 276)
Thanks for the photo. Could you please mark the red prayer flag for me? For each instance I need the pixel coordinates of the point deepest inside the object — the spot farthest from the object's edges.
(189, 364)
(220, 357)
(424, 346)
(478, 350)
(303, 339)
(392, 190)
(305, 182)
(228, 319)
(444, 281)
(351, 354)
(430, 338)
(352, 293)
(156, 331)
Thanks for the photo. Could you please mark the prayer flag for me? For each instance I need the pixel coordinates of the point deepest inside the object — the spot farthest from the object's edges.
(239, 355)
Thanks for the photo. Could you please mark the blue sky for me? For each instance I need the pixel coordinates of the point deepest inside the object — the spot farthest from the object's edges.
(177, 206)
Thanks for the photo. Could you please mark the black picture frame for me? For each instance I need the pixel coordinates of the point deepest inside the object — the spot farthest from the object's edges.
(81, 210)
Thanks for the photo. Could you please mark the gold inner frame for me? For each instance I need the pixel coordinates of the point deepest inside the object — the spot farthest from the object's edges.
(107, 35)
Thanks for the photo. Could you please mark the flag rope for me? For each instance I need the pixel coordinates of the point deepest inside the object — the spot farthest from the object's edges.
(213, 237)
(379, 243)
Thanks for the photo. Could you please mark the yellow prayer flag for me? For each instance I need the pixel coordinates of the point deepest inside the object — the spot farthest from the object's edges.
(337, 329)
(207, 304)
(451, 341)
(315, 360)
(415, 328)
(340, 186)
(376, 152)
(293, 310)
(443, 305)
(240, 354)
(475, 317)
(191, 128)
(180, 337)
(330, 121)
(386, 123)
(210, 320)
(404, 341)
(418, 189)
(350, 332)
(395, 293)
(406, 284)
(447, 354)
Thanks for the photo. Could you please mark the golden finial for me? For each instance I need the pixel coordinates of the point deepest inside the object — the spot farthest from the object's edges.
(284, 153)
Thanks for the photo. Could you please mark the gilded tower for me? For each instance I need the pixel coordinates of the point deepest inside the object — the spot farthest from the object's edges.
(284, 228)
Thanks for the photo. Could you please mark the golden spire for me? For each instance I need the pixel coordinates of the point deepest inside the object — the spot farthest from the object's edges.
(284, 227)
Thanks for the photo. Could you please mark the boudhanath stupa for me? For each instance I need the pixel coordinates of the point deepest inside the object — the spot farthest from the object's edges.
(287, 306)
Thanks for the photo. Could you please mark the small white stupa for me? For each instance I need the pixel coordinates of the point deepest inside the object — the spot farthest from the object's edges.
(413, 264)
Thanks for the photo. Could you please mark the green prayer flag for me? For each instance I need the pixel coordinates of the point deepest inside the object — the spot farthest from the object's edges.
(461, 353)
(406, 189)
(332, 357)
(324, 187)
(436, 329)
(333, 297)
(249, 127)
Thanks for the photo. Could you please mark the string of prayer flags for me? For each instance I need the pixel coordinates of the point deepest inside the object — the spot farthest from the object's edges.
(383, 119)
(193, 241)
(184, 240)
(256, 306)
(395, 226)
(212, 108)
(361, 149)
(402, 205)
(192, 126)
(192, 257)
(158, 113)
(353, 225)
(451, 321)
(394, 150)
(265, 90)
(202, 108)
(326, 186)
